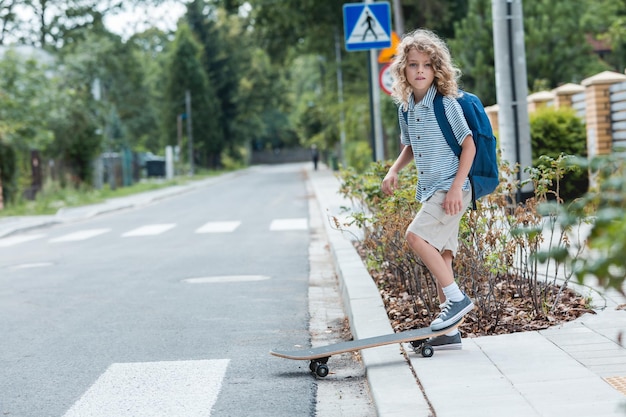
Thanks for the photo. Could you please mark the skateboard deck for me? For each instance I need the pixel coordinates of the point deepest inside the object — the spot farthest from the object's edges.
(319, 355)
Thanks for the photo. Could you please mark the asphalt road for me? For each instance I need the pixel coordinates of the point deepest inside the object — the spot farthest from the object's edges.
(176, 303)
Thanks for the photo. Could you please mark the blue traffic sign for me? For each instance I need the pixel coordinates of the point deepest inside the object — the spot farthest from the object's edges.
(367, 26)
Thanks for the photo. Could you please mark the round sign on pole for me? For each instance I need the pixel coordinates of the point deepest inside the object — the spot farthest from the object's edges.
(385, 78)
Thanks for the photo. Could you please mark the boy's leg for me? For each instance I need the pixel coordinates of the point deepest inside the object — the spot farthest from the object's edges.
(452, 339)
(440, 265)
(433, 259)
(429, 235)
(448, 258)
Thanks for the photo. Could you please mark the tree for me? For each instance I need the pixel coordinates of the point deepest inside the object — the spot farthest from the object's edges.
(150, 51)
(476, 62)
(310, 28)
(76, 141)
(40, 113)
(225, 51)
(51, 24)
(130, 94)
(554, 36)
(27, 96)
(104, 63)
(7, 19)
(438, 16)
(185, 73)
(47, 23)
(605, 20)
(262, 103)
(307, 26)
(251, 101)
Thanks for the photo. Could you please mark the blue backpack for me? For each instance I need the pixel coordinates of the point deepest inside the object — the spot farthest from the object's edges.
(483, 175)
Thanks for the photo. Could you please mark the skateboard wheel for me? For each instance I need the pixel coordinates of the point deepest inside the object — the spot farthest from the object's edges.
(417, 345)
(321, 370)
(427, 351)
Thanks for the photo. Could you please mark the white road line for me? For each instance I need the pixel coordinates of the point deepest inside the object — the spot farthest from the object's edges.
(151, 389)
(82, 235)
(31, 265)
(218, 227)
(14, 240)
(150, 230)
(289, 224)
(226, 279)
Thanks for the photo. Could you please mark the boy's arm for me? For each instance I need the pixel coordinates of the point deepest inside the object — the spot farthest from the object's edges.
(390, 182)
(453, 203)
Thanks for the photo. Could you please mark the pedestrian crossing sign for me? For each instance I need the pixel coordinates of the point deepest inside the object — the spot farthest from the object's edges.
(367, 26)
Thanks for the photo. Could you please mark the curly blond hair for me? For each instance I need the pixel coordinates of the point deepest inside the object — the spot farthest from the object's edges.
(446, 73)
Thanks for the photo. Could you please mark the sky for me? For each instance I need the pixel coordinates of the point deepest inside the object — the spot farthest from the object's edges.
(140, 18)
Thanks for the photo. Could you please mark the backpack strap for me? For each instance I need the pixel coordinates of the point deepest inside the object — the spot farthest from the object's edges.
(446, 129)
(444, 125)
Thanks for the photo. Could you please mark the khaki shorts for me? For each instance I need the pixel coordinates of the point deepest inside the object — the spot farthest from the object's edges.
(433, 225)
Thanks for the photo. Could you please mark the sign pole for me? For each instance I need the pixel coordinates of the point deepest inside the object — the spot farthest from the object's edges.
(342, 116)
(376, 124)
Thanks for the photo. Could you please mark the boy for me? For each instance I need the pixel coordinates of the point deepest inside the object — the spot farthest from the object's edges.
(422, 67)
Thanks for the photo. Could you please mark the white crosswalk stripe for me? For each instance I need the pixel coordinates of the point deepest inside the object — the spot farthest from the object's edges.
(82, 235)
(150, 230)
(14, 240)
(148, 389)
(277, 225)
(218, 227)
(289, 224)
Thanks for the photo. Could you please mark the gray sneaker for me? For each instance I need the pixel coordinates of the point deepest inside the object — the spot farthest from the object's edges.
(451, 312)
(442, 342)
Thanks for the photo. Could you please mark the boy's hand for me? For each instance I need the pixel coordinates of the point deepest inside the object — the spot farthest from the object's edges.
(390, 183)
(453, 203)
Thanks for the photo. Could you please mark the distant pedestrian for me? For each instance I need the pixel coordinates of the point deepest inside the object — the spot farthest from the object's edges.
(315, 155)
(422, 68)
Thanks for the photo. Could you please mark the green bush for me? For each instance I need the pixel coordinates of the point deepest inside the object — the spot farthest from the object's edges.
(358, 155)
(556, 132)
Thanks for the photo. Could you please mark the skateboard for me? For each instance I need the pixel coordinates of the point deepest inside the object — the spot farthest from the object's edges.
(319, 356)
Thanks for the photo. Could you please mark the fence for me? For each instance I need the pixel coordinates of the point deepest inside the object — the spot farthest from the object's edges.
(600, 101)
(618, 115)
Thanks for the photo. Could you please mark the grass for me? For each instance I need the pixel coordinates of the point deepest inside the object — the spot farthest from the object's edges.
(54, 197)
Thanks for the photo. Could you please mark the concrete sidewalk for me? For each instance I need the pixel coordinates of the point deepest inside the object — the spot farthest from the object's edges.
(573, 370)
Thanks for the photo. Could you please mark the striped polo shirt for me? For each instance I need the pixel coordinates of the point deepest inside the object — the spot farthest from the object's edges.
(435, 161)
